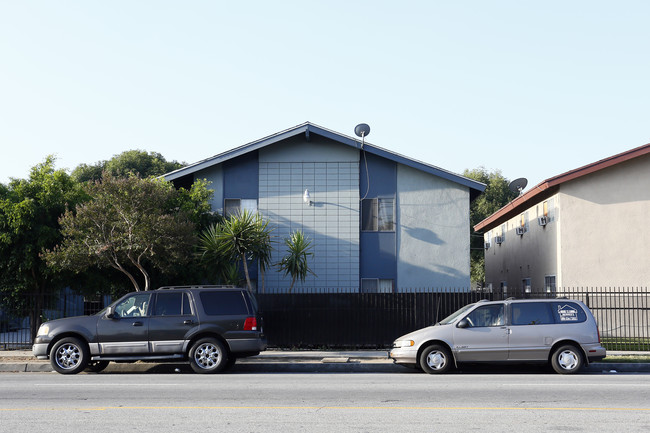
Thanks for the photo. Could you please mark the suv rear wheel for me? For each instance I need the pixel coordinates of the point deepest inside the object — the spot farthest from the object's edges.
(208, 355)
(567, 360)
(69, 356)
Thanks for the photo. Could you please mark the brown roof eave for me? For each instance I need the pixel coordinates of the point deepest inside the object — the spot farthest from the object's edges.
(540, 192)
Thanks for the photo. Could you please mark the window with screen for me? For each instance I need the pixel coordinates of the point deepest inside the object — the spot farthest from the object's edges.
(378, 214)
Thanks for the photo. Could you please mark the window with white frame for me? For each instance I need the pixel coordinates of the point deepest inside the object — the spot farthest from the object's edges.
(377, 285)
(233, 206)
(378, 214)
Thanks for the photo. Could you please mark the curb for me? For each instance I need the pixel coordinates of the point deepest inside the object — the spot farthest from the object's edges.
(285, 365)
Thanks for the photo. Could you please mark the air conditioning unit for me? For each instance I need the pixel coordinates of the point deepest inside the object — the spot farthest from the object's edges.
(486, 245)
(498, 240)
(520, 230)
(542, 221)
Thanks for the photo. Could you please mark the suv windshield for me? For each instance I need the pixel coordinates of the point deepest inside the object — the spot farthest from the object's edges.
(449, 319)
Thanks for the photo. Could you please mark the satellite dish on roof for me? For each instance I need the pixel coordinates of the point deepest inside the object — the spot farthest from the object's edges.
(518, 185)
(362, 129)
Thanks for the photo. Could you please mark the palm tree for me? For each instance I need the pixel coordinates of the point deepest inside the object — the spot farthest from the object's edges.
(295, 262)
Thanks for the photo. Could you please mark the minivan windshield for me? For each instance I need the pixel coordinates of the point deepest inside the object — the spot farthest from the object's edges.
(449, 319)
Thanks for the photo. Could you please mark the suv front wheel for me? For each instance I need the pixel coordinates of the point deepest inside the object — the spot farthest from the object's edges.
(208, 355)
(69, 356)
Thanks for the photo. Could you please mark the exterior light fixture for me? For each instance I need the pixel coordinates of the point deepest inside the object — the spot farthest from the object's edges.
(307, 199)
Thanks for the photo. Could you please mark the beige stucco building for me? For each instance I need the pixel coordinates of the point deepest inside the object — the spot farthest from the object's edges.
(586, 228)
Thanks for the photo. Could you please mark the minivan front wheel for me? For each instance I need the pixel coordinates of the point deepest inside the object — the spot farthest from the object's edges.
(435, 359)
(208, 355)
(567, 360)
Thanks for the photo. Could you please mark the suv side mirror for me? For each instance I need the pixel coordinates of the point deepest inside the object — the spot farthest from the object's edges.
(110, 312)
(463, 324)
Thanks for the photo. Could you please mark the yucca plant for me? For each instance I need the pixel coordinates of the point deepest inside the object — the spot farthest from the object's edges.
(240, 237)
(295, 262)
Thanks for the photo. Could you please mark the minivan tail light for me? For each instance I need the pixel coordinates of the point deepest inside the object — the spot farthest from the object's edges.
(250, 324)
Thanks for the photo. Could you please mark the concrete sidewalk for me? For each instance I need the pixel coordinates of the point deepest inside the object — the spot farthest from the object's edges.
(376, 361)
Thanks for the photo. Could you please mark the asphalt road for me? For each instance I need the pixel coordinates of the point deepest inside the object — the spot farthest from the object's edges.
(306, 402)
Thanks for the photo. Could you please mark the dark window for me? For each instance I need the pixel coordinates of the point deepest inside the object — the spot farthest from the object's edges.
(488, 315)
(172, 304)
(223, 303)
(378, 214)
(568, 312)
(531, 313)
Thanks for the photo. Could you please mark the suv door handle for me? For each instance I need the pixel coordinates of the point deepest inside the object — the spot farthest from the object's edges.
(136, 324)
(188, 322)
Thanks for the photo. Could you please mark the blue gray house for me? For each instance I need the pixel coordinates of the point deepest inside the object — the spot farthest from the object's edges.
(378, 221)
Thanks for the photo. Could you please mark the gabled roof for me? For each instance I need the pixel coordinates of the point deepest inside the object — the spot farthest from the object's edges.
(308, 128)
(550, 186)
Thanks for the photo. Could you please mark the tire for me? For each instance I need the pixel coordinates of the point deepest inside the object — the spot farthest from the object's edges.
(567, 360)
(435, 359)
(69, 356)
(96, 366)
(208, 355)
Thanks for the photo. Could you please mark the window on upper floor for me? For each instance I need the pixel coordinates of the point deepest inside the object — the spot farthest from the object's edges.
(378, 214)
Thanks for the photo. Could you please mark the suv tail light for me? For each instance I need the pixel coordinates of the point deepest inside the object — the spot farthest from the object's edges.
(250, 324)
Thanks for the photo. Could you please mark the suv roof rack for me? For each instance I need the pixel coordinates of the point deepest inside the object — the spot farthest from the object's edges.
(199, 286)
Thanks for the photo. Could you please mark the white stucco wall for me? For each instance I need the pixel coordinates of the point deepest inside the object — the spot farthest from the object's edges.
(433, 231)
(605, 240)
(531, 255)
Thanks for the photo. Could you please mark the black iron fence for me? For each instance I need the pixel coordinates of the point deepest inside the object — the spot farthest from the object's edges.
(324, 318)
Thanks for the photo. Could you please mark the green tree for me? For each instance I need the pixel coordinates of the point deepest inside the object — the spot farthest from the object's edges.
(295, 262)
(496, 195)
(131, 225)
(29, 224)
(132, 162)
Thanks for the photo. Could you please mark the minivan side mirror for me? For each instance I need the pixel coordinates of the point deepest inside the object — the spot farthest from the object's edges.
(463, 324)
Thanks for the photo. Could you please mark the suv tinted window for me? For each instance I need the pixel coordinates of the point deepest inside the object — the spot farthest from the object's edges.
(172, 304)
(223, 302)
(531, 313)
(568, 312)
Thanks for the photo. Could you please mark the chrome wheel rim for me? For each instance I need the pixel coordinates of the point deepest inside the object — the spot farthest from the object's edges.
(68, 356)
(436, 360)
(568, 360)
(207, 356)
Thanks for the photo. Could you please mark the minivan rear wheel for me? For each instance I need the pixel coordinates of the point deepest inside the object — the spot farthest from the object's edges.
(567, 360)
(208, 355)
(435, 359)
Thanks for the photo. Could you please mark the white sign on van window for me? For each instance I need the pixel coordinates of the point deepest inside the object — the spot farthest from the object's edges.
(567, 313)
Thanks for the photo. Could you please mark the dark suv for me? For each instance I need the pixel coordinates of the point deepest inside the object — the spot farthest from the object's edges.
(209, 326)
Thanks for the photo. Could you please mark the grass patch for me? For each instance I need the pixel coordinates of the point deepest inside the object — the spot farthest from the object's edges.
(628, 359)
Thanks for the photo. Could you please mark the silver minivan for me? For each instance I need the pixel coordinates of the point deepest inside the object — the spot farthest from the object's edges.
(561, 332)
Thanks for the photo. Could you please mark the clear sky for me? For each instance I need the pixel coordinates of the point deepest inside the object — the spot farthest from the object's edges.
(531, 88)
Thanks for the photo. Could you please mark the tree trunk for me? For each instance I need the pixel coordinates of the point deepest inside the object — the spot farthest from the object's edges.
(248, 279)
